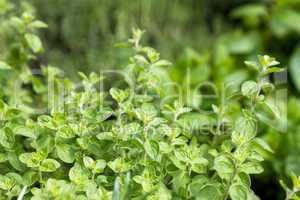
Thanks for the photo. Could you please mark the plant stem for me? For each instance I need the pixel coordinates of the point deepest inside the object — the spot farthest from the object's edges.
(22, 193)
(40, 176)
(229, 184)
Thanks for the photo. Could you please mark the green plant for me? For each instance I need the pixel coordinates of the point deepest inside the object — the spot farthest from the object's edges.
(292, 193)
(21, 44)
(128, 143)
(222, 35)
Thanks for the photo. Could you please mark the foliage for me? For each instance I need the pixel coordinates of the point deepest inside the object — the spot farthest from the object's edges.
(294, 192)
(130, 144)
(103, 23)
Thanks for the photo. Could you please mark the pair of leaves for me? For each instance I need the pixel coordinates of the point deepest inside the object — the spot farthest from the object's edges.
(37, 160)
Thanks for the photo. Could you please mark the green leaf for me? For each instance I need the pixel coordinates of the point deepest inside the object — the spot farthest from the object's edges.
(242, 152)
(105, 136)
(182, 155)
(119, 165)
(180, 180)
(7, 138)
(177, 162)
(152, 149)
(140, 60)
(4, 66)
(273, 70)
(17, 177)
(3, 157)
(163, 193)
(238, 192)
(30, 177)
(6, 183)
(2, 106)
(103, 115)
(46, 121)
(244, 179)
(295, 181)
(263, 145)
(133, 128)
(271, 107)
(25, 131)
(251, 11)
(15, 191)
(88, 162)
(197, 183)
(30, 159)
(224, 166)
(208, 192)
(18, 23)
(78, 174)
(146, 113)
(165, 148)
(34, 42)
(245, 129)
(65, 132)
(216, 109)
(251, 196)
(13, 159)
(99, 116)
(250, 88)
(199, 165)
(49, 165)
(267, 61)
(267, 87)
(252, 65)
(181, 111)
(283, 22)
(38, 24)
(99, 166)
(240, 42)
(251, 168)
(66, 152)
(118, 94)
(12, 113)
(162, 63)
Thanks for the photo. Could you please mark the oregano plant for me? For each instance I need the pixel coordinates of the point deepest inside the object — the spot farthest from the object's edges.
(294, 191)
(126, 142)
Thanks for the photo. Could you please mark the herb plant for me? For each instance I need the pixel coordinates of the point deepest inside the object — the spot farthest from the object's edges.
(125, 143)
(292, 193)
(219, 36)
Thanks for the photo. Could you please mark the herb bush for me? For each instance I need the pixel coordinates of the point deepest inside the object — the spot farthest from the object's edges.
(221, 34)
(126, 143)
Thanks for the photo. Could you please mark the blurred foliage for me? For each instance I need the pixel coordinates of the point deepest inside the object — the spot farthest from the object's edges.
(87, 31)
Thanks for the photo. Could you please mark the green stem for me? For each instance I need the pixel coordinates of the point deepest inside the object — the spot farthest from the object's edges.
(22, 193)
(40, 177)
(93, 177)
(229, 184)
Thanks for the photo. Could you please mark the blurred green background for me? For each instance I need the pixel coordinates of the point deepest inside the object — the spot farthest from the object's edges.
(209, 38)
